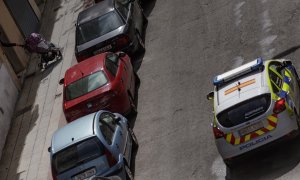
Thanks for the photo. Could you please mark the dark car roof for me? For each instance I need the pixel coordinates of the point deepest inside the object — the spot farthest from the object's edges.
(84, 68)
(95, 11)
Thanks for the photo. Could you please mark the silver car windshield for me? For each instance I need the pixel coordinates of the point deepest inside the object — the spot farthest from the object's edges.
(77, 154)
(244, 111)
(85, 85)
(97, 27)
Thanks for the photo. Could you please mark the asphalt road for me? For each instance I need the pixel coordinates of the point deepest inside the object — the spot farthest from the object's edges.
(187, 44)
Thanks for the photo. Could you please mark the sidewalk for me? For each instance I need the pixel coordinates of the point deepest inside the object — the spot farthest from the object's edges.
(38, 112)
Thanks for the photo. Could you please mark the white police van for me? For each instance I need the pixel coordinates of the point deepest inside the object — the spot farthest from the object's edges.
(254, 104)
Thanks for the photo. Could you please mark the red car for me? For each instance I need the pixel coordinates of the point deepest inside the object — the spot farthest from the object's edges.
(102, 82)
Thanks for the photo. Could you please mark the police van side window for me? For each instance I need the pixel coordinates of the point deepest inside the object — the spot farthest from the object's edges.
(276, 80)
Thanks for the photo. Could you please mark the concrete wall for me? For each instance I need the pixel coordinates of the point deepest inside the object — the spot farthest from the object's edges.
(8, 97)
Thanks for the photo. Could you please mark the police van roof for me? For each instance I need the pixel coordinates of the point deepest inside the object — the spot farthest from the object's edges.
(240, 88)
(238, 72)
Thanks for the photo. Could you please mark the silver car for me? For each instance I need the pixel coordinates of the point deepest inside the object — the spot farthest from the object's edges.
(99, 144)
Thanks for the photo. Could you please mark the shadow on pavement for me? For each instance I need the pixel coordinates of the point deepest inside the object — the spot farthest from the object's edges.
(148, 6)
(23, 122)
(132, 118)
(286, 52)
(268, 164)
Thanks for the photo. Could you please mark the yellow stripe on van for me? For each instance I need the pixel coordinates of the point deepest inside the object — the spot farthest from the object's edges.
(228, 137)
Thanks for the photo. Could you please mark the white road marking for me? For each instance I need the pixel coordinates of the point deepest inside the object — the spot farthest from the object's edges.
(266, 21)
(266, 43)
(237, 13)
(268, 40)
(219, 168)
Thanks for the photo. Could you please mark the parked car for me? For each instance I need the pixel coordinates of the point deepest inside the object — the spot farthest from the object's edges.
(110, 25)
(255, 105)
(105, 81)
(98, 144)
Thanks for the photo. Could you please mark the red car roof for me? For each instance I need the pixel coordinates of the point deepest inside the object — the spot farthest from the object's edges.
(84, 68)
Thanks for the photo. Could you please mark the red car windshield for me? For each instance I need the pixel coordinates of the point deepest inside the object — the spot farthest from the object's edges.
(85, 85)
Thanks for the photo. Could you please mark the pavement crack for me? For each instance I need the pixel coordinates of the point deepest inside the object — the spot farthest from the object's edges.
(57, 95)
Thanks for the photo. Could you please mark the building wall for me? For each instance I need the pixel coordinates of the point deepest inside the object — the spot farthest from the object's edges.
(13, 34)
(10, 85)
(35, 8)
(8, 97)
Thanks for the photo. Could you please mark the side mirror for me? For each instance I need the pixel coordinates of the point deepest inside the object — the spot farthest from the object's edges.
(210, 96)
(49, 149)
(287, 63)
(121, 54)
(62, 81)
(117, 119)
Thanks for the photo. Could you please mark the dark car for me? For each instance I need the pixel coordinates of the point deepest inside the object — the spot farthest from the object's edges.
(110, 25)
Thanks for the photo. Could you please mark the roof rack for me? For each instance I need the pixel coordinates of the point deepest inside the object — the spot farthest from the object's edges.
(238, 72)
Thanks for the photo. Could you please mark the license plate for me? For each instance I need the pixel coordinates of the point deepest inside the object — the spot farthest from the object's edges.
(86, 174)
(251, 128)
(103, 49)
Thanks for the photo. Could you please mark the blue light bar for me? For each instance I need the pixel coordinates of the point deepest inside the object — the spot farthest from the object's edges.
(237, 72)
(258, 65)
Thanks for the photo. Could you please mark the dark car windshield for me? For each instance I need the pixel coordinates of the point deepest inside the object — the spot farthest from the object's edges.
(77, 154)
(244, 111)
(85, 85)
(97, 27)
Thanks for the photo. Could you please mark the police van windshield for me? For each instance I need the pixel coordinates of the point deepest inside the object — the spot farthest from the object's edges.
(244, 111)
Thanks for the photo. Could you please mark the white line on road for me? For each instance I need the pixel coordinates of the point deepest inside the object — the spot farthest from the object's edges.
(266, 43)
(237, 13)
(266, 22)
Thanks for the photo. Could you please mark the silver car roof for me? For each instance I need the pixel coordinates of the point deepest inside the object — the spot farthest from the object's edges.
(73, 132)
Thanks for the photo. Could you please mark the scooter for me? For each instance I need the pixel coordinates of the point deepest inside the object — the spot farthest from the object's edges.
(53, 53)
(37, 44)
